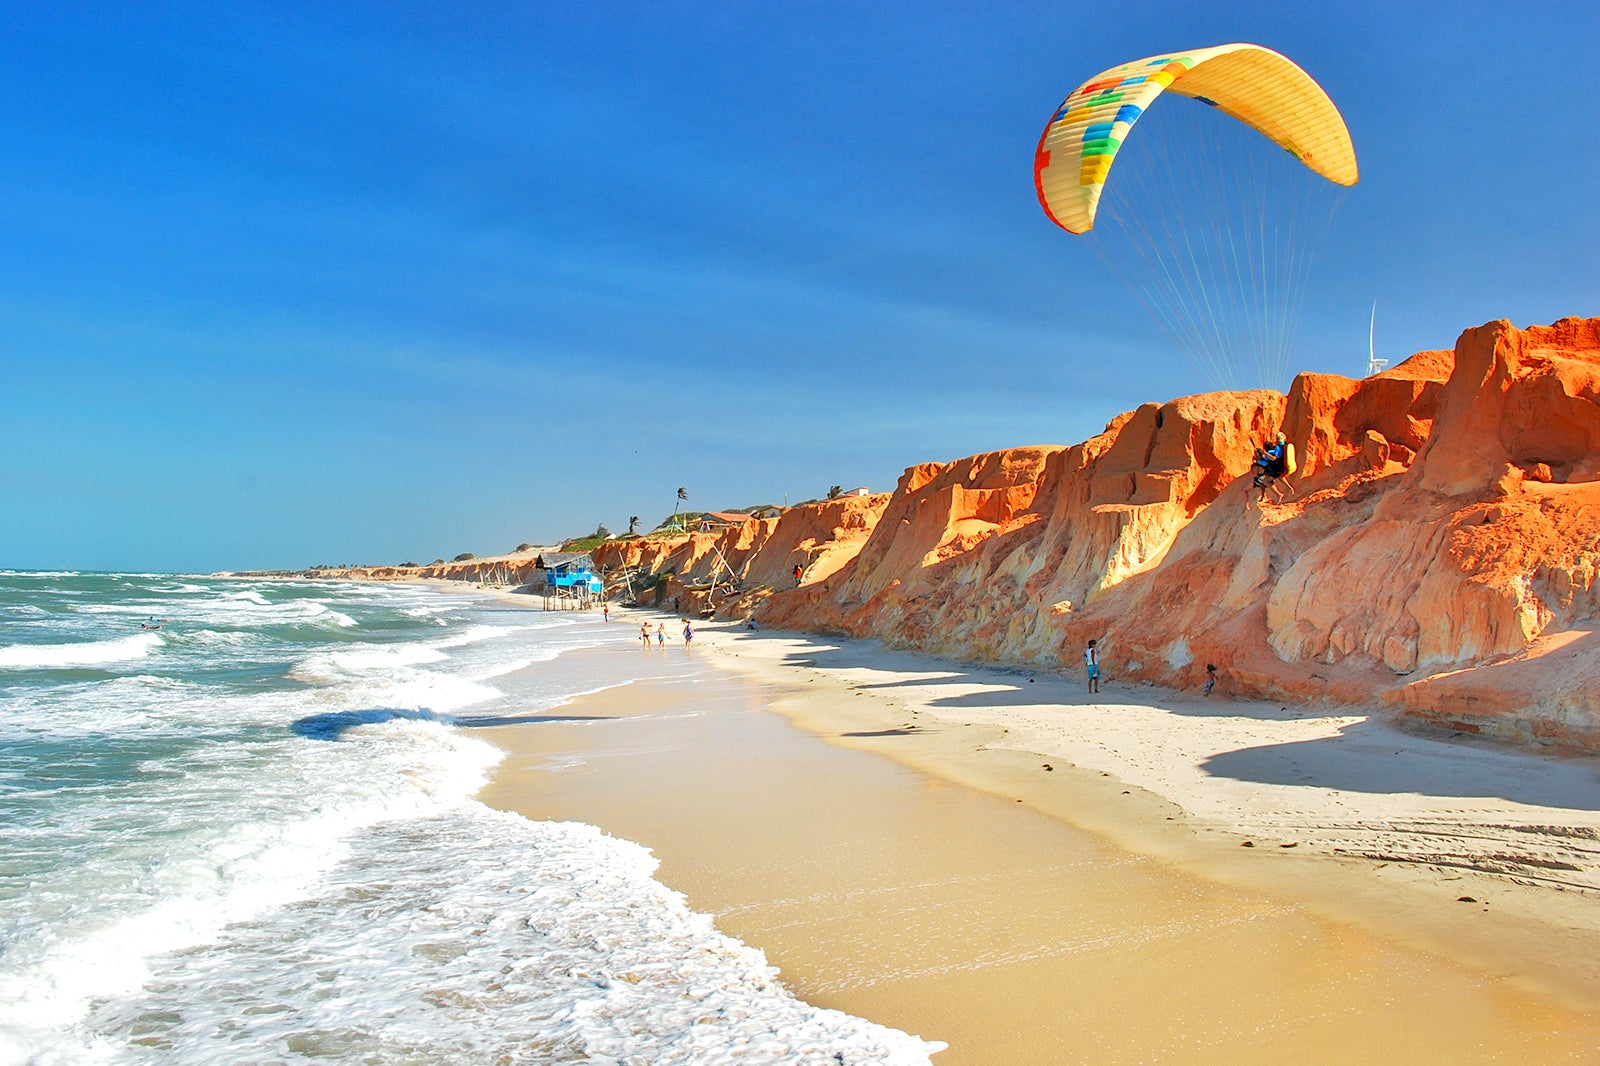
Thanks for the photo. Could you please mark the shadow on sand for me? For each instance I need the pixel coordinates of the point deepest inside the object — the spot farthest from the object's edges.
(1366, 756)
(1376, 758)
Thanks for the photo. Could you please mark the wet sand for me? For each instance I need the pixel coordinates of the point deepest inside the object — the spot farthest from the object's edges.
(967, 915)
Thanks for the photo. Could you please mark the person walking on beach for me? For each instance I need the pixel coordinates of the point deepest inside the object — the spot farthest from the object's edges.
(1211, 677)
(644, 634)
(688, 636)
(1091, 662)
(661, 635)
(606, 611)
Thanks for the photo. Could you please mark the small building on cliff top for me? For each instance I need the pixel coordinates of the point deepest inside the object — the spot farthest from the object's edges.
(712, 520)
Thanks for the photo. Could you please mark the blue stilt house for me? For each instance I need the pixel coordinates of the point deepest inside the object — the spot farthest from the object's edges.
(570, 572)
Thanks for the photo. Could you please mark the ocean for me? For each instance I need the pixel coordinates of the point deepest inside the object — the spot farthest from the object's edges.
(250, 835)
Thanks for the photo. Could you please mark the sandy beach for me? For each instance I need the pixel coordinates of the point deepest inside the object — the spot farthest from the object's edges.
(1370, 821)
(1033, 877)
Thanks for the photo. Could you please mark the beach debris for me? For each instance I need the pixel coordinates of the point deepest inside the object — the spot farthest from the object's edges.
(1291, 844)
(1465, 899)
(1047, 766)
(1248, 844)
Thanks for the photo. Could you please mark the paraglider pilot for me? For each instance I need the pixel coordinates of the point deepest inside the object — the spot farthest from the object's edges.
(1271, 464)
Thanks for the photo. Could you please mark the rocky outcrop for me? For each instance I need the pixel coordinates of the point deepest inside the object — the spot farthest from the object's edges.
(1437, 552)
(736, 568)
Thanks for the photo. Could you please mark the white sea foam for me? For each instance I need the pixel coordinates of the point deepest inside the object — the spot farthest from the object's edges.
(236, 857)
(322, 613)
(85, 653)
(249, 595)
(370, 657)
(215, 862)
(428, 610)
(570, 953)
(211, 638)
(474, 634)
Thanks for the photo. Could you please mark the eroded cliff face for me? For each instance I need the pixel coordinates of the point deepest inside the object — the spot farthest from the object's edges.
(693, 569)
(1437, 551)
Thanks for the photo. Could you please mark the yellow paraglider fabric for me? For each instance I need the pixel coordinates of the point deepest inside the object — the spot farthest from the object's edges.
(1255, 85)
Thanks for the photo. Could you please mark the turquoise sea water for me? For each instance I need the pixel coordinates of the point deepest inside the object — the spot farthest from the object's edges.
(249, 835)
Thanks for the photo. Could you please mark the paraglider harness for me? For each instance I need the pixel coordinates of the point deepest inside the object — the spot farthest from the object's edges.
(1270, 463)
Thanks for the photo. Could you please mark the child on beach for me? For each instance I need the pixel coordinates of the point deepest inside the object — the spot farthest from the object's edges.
(1091, 662)
(606, 611)
(1211, 677)
(688, 636)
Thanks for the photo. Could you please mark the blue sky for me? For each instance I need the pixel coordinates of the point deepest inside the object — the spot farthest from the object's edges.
(284, 284)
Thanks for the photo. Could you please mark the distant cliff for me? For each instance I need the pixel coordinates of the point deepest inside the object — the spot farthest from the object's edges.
(516, 568)
(1437, 552)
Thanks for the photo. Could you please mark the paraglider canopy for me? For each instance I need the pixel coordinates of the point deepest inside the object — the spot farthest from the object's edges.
(1255, 85)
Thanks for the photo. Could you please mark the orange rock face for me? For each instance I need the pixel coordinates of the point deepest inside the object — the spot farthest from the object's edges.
(1436, 554)
(759, 555)
(1437, 551)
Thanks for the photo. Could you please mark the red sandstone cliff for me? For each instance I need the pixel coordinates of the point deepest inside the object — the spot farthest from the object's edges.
(758, 555)
(1438, 550)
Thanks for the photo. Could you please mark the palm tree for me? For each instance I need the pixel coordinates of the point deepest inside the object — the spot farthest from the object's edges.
(683, 494)
(835, 491)
(633, 524)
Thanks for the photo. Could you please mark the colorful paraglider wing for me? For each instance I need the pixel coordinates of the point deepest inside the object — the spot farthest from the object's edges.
(1255, 85)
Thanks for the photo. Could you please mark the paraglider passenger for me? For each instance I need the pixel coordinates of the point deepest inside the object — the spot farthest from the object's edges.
(1271, 465)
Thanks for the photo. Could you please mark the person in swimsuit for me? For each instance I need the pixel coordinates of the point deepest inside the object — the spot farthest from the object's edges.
(1091, 662)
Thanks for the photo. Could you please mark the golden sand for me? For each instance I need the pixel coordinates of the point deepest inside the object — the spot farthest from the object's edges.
(970, 917)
